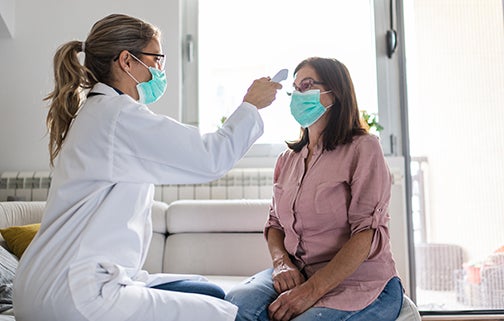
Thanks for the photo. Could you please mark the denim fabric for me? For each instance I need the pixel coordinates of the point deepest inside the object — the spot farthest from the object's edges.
(254, 295)
(189, 286)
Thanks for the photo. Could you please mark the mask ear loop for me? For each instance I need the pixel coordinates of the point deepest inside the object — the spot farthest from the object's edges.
(325, 92)
(126, 71)
(132, 55)
(129, 74)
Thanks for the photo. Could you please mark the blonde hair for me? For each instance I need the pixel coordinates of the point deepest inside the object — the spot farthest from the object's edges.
(107, 38)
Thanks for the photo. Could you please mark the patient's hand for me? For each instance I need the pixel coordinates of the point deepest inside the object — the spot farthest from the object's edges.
(293, 302)
(285, 275)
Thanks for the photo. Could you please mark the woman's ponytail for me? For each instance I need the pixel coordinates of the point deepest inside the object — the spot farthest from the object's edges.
(107, 38)
(70, 79)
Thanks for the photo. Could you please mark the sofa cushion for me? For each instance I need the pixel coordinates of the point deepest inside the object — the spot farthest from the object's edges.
(8, 265)
(159, 217)
(19, 237)
(232, 254)
(19, 213)
(154, 260)
(217, 216)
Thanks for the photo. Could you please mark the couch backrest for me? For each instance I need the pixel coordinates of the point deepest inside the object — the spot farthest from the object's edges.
(216, 237)
(22, 213)
(154, 260)
(19, 213)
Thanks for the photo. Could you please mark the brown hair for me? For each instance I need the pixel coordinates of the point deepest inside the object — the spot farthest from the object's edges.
(107, 38)
(344, 120)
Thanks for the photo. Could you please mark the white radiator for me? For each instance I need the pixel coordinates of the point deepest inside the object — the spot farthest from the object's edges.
(240, 183)
(24, 186)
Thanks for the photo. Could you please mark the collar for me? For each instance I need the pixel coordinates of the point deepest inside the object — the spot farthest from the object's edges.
(318, 149)
(118, 91)
(104, 89)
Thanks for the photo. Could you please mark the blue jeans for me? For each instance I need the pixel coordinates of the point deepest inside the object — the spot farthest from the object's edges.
(255, 295)
(189, 286)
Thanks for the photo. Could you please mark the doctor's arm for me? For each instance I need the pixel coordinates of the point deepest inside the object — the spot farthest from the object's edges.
(157, 149)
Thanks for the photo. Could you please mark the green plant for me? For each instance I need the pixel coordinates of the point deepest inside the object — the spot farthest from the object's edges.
(371, 120)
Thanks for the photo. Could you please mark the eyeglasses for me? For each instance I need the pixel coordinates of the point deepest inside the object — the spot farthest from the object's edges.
(305, 84)
(160, 58)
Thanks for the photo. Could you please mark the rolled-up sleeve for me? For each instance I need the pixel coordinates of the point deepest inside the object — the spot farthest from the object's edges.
(370, 187)
(273, 221)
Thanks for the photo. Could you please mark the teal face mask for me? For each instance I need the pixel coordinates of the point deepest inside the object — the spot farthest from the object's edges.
(150, 91)
(306, 108)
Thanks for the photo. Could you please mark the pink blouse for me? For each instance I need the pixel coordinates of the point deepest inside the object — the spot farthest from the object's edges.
(344, 191)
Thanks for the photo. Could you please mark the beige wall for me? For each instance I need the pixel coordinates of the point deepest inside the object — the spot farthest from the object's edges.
(26, 65)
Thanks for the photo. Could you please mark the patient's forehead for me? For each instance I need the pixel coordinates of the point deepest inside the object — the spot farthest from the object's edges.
(306, 72)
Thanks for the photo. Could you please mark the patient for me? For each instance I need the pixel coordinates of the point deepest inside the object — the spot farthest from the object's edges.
(327, 228)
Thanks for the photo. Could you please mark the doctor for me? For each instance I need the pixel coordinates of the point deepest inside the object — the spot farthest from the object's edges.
(107, 152)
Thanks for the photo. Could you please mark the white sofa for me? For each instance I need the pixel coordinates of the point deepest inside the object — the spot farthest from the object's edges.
(221, 239)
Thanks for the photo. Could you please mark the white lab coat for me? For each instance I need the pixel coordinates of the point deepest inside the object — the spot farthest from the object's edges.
(85, 262)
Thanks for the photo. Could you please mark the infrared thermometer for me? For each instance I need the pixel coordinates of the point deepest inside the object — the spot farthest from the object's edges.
(280, 76)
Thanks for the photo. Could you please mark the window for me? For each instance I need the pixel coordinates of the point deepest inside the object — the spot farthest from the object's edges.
(240, 41)
(455, 75)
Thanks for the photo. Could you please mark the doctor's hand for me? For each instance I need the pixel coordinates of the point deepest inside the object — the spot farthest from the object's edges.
(262, 92)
